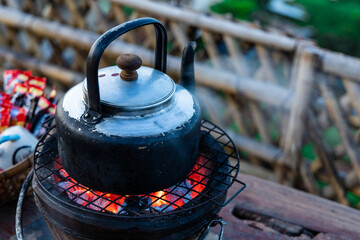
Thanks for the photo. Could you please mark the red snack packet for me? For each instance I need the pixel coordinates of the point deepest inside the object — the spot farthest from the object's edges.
(4, 117)
(12, 77)
(17, 116)
(39, 82)
(19, 88)
(4, 98)
(35, 91)
(8, 75)
(36, 86)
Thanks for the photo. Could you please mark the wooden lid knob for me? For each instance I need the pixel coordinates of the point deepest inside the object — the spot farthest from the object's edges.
(129, 63)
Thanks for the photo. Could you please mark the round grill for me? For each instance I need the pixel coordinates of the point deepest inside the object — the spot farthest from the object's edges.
(215, 171)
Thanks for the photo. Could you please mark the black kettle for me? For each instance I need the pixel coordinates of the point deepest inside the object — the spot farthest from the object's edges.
(129, 129)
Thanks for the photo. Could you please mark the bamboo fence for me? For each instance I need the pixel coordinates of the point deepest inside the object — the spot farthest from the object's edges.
(274, 94)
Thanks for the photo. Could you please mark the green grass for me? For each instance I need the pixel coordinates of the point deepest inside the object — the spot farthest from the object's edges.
(241, 9)
(353, 199)
(336, 24)
(321, 184)
(308, 151)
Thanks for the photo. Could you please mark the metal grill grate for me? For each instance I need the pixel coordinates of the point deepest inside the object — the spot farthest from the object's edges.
(215, 171)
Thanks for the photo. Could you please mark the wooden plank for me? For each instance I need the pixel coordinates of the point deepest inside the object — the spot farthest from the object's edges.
(292, 206)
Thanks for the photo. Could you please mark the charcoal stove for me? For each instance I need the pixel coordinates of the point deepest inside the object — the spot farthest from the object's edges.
(184, 211)
(137, 163)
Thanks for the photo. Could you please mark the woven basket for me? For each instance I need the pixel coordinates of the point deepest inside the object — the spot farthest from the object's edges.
(12, 179)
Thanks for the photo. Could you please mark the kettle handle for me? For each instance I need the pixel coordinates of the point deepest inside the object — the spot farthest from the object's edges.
(93, 113)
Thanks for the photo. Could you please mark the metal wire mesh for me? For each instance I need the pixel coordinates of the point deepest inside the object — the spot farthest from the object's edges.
(214, 172)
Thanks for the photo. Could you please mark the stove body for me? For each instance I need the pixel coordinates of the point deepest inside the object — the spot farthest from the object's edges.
(180, 216)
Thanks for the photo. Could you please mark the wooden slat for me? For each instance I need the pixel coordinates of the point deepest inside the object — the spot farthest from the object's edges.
(260, 122)
(291, 85)
(211, 103)
(295, 207)
(257, 170)
(34, 48)
(76, 19)
(266, 65)
(336, 115)
(353, 90)
(266, 152)
(211, 48)
(308, 178)
(212, 24)
(178, 32)
(150, 39)
(295, 129)
(340, 64)
(250, 88)
(101, 24)
(236, 115)
(237, 57)
(328, 160)
(240, 122)
(12, 38)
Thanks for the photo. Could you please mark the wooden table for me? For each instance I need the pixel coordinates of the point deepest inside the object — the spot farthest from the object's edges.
(264, 210)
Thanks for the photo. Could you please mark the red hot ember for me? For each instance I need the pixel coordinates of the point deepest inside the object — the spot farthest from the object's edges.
(166, 200)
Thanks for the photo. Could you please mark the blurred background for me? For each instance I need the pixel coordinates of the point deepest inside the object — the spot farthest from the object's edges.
(280, 76)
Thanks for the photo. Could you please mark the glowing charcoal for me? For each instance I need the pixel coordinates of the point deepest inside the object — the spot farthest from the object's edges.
(167, 200)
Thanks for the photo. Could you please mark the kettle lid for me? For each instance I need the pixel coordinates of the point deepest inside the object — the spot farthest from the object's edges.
(132, 87)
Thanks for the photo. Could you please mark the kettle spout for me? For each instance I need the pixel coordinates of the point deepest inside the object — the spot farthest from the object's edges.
(187, 75)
